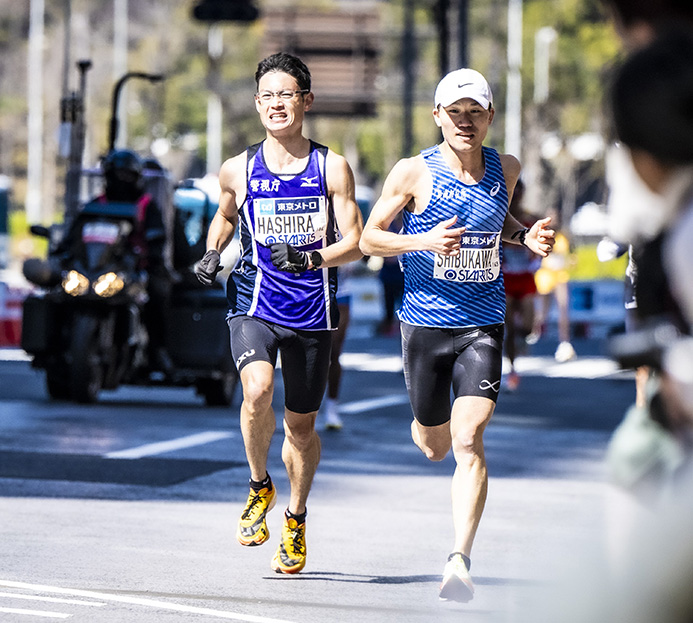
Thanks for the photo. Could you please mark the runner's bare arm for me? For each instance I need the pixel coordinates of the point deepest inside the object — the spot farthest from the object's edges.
(225, 221)
(511, 172)
(341, 186)
(408, 181)
(539, 238)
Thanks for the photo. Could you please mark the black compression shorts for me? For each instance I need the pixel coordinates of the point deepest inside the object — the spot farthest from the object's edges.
(470, 360)
(305, 357)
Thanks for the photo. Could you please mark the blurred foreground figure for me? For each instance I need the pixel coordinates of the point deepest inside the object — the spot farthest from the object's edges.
(650, 174)
(651, 206)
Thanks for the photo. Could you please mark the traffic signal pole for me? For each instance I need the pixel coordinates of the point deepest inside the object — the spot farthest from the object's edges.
(72, 117)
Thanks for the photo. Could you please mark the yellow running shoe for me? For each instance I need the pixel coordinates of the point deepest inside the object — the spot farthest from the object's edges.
(457, 583)
(291, 553)
(252, 527)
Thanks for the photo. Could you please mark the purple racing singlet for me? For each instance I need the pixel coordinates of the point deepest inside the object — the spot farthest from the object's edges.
(294, 209)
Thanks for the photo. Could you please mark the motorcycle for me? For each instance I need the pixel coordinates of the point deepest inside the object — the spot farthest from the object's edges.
(85, 326)
(93, 335)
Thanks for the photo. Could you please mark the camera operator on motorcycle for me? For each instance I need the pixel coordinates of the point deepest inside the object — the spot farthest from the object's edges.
(124, 183)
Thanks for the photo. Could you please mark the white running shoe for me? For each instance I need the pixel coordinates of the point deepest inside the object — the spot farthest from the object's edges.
(565, 352)
(532, 338)
(457, 583)
(332, 419)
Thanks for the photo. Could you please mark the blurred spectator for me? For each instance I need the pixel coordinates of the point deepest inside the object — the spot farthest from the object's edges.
(637, 21)
(329, 417)
(519, 266)
(608, 250)
(552, 284)
(392, 279)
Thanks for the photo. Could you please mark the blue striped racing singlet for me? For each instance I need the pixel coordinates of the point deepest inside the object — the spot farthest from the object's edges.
(464, 290)
(294, 209)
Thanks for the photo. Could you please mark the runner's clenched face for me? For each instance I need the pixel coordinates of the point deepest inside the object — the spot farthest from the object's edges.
(277, 111)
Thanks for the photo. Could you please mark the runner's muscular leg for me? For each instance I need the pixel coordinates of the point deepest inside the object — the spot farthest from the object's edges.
(470, 415)
(433, 441)
(301, 455)
(257, 416)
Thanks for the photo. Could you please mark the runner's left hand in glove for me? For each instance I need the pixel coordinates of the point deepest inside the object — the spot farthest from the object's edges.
(288, 259)
(208, 267)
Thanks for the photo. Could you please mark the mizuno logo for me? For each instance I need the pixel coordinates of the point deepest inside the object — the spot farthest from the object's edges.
(494, 189)
(244, 356)
(309, 181)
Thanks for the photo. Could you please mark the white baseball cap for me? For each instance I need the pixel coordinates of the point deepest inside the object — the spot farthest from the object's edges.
(463, 83)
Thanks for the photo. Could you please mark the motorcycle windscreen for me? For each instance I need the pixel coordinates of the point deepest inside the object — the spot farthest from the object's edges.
(99, 237)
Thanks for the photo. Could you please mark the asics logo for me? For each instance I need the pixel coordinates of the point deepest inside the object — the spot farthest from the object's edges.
(309, 182)
(244, 356)
(494, 189)
(484, 385)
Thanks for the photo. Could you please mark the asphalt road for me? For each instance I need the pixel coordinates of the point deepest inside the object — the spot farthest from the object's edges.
(125, 510)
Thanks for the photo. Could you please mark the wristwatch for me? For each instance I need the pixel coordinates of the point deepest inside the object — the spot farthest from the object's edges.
(520, 234)
(316, 260)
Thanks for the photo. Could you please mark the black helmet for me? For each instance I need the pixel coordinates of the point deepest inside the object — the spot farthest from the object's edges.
(122, 169)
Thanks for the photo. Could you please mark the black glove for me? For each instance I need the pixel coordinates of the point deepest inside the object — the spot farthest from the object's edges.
(208, 267)
(286, 258)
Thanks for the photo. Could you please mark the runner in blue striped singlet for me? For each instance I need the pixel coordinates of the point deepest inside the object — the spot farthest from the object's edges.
(287, 197)
(454, 200)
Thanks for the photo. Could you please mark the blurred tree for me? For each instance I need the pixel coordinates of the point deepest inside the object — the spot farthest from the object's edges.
(170, 119)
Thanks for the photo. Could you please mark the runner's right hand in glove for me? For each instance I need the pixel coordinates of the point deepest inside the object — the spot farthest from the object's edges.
(208, 267)
(288, 259)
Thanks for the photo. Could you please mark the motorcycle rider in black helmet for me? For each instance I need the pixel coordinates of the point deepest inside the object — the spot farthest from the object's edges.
(124, 183)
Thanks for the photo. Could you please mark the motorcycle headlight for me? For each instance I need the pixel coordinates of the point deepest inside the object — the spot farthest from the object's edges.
(75, 284)
(108, 284)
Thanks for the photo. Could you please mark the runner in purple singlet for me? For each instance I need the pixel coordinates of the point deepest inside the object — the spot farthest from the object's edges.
(287, 196)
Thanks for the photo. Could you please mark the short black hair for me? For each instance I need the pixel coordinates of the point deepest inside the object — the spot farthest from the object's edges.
(652, 98)
(285, 63)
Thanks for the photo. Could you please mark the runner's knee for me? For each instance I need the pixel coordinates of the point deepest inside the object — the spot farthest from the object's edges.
(257, 391)
(435, 446)
(467, 443)
(300, 431)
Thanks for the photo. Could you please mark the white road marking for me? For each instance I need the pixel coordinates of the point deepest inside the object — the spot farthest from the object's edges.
(36, 613)
(168, 446)
(14, 354)
(580, 368)
(367, 362)
(583, 367)
(141, 601)
(370, 404)
(57, 600)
